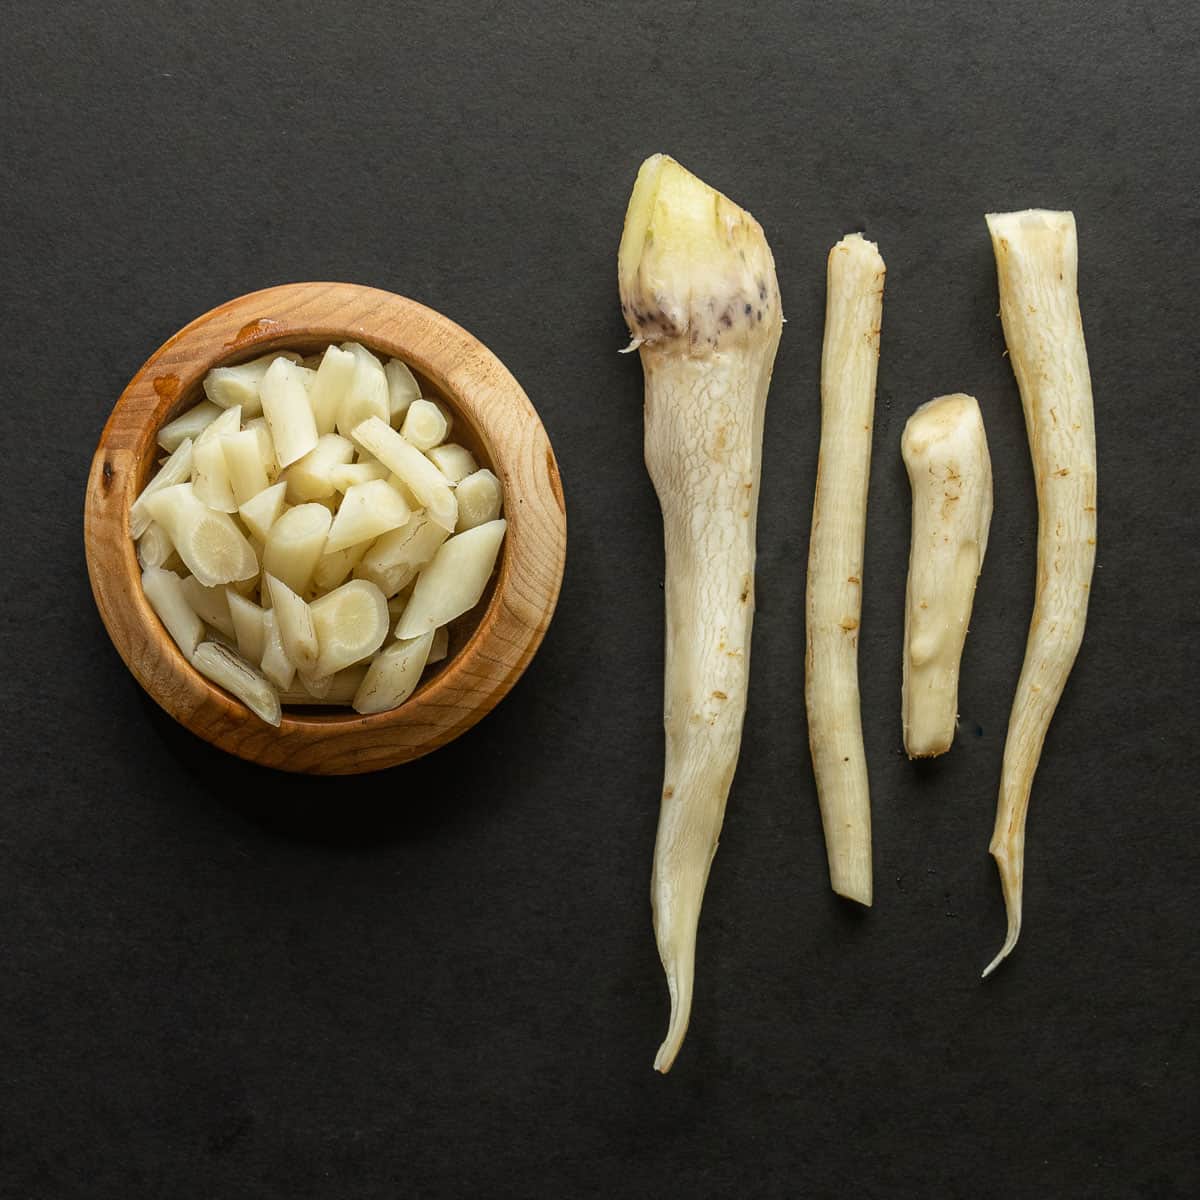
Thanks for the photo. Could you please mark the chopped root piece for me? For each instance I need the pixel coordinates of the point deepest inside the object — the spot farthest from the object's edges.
(230, 421)
(210, 475)
(248, 628)
(154, 547)
(210, 544)
(345, 477)
(295, 544)
(210, 604)
(245, 467)
(311, 477)
(403, 389)
(441, 646)
(351, 624)
(427, 483)
(276, 665)
(262, 511)
(339, 690)
(367, 510)
(393, 675)
(334, 378)
(455, 462)
(335, 566)
(293, 618)
(177, 469)
(317, 686)
(190, 425)
(224, 667)
(454, 581)
(266, 447)
(367, 395)
(288, 412)
(479, 499)
(238, 387)
(164, 590)
(425, 425)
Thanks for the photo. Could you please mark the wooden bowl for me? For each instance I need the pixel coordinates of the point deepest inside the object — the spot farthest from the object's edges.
(490, 647)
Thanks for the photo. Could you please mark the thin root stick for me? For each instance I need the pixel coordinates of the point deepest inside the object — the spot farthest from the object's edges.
(849, 362)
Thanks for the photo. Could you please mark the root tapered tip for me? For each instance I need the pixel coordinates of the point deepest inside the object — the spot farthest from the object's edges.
(1010, 942)
(681, 1012)
(1011, 867)
(665, 1057)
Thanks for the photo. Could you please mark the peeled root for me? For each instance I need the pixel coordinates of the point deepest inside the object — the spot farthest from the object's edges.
(351, 623)
(430, 487)
(849, 361)
(699, 293)
(944, 448)
(289, 415)
(210, 543)
(224, 667)
(1037, 265)
(454, 581)
(479, 499)
(425, 425)
(403, 389)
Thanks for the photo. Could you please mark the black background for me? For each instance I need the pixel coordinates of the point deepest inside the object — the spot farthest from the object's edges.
(217, 981)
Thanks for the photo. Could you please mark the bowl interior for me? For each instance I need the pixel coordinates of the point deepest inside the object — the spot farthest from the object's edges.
(465, 431)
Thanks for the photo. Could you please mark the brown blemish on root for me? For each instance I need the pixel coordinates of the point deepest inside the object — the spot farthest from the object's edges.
(719, 696)
(849, 624)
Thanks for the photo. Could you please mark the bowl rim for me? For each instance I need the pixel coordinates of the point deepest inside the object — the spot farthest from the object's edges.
(478, 386)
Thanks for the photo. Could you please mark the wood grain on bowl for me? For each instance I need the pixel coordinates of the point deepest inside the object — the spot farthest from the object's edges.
(493, 418)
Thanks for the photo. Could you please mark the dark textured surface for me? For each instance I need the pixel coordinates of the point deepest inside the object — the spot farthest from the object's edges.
(219, 982)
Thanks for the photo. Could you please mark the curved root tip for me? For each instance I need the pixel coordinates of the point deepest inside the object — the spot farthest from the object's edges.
(1005, 951)
(681, 1011)
(1009, 866)
(665, 1058)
